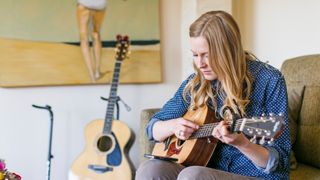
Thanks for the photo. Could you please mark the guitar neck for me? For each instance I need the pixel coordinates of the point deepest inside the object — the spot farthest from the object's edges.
(112, 98)
(204, 131)
(261, 127)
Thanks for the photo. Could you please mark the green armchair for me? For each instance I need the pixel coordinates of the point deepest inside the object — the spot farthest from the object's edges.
(302, 76)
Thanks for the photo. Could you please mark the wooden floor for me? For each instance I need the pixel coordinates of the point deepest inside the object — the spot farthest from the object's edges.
(27, 63)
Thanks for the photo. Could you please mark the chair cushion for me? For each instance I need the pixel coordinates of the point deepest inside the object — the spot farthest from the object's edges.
(295, 94)
(307, 145)
(305, 172)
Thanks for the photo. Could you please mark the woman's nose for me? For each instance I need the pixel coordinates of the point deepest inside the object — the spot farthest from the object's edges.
(201, 61)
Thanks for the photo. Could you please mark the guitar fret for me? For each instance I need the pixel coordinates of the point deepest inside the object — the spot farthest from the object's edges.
(208, 131)
(204, 131)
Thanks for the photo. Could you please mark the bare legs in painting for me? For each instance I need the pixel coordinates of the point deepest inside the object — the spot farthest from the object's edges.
(90, 21)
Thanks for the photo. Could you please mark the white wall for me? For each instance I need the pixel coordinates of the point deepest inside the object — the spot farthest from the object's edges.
(277, 30)
(24, 130)
(273, 30)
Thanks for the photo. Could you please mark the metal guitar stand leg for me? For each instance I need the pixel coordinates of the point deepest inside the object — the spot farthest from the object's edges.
(50, 156)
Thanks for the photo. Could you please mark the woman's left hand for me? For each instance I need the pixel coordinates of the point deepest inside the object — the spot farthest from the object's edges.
(222, 133)
(256, 153)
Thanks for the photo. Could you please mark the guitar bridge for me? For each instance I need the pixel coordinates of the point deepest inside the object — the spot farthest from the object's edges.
(99, 168)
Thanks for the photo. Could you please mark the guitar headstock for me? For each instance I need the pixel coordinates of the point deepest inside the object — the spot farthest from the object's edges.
(262, 129)
(122, 47)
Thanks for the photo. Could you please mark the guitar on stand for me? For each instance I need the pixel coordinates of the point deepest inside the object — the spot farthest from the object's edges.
(106, 154)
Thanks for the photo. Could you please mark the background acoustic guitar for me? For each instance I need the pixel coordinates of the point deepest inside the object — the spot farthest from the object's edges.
(107, 141)
(198, 149)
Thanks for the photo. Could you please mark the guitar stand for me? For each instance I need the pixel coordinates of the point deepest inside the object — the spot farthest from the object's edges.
(128, 108)
(50, 156)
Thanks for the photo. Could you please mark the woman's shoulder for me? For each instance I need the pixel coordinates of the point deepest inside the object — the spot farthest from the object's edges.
(259, 69)
(188, 78)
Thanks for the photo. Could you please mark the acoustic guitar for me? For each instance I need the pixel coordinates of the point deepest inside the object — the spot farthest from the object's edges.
(198, 149)
(108, 141)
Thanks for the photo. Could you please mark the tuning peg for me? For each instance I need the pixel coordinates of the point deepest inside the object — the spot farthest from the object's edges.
(128, 55)
(259, 132)
(125, 38)
(254, 139)
(267, 132)
(263, 117)
(262, 140)
(271, 114)
(281, 114)
(271, 141)
(118, 37)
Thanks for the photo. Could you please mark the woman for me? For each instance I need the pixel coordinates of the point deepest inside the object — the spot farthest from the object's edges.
(90, 14)
(228, 80)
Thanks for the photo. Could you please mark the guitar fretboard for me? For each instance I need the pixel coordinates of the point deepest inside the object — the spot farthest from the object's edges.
(204, 131)
(112, 98)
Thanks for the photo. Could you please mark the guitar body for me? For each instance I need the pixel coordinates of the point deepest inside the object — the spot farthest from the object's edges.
(192, 151)
(105, 155)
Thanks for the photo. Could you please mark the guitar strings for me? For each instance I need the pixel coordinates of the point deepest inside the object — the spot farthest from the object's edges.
(206, 129)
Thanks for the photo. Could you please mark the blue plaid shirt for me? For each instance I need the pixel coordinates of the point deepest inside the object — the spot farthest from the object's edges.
(268, 95)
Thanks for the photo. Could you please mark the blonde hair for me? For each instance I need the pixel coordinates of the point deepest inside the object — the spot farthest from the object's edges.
(226, 58)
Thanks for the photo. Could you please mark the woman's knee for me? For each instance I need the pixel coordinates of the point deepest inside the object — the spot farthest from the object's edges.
(191, 172)
(196, 172)
(199, 172)
(157, 169)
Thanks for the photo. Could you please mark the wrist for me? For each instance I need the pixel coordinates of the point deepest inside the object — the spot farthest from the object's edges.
(172, 125)
(244, 145)
(169, 125)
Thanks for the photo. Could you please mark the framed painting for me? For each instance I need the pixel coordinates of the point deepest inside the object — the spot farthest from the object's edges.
(50, 43)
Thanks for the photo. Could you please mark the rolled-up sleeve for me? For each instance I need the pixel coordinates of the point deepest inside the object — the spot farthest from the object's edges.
(150, 127)
(272, 161)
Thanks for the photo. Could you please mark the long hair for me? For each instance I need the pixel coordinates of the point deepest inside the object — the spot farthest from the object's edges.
(228, 61)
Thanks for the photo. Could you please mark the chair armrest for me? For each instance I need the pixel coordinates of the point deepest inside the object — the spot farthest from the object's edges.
(146, 146)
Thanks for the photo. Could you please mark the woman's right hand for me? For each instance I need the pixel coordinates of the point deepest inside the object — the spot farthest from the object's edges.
(179, 127)
(183, 129)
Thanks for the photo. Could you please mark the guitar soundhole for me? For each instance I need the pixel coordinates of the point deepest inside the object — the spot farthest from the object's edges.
(104, 143)
(180, 142)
